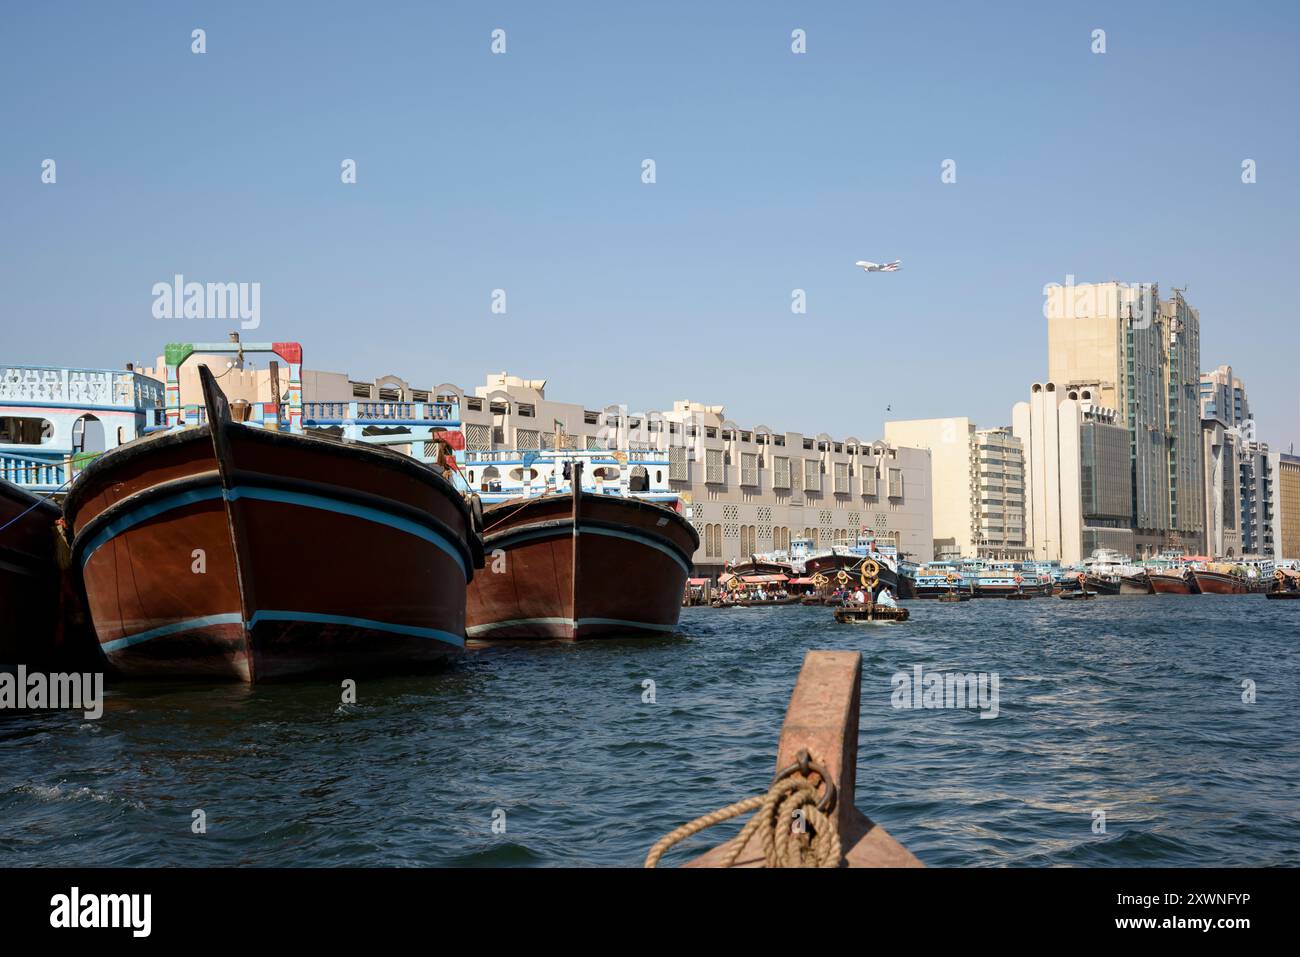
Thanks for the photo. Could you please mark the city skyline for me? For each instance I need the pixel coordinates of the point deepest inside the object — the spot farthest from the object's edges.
(776, 171)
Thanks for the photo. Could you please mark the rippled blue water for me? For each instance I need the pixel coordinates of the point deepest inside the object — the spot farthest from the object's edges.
(1128, 705)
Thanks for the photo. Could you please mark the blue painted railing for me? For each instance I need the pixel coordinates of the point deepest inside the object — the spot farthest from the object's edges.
(32, 473)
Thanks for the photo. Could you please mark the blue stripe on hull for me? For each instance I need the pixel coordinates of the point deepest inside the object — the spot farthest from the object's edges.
(510, 539)
(304, 617)
(181, 499)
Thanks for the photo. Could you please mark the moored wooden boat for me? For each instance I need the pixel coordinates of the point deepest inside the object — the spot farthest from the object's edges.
(1137, 584)
(1285, 585)
(29, 577)
(1102, 586)
(1076, 595)
(1171, 582)
(581, 566)
(954, 596)
(1219, 583)
(232, 552)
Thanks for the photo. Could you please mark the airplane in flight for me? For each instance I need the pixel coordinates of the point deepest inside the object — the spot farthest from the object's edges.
(877, 267)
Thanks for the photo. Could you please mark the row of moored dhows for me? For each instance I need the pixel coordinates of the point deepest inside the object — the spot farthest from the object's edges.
(786, 578)
(254, 544)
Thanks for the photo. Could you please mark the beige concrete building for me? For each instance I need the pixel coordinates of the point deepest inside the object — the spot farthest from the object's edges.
(1223, 397)
(1226, 425)
(1286, 506)
(1078, 488)
(979, 487)
(1139, 356)
(1221, 453)
(749, 489)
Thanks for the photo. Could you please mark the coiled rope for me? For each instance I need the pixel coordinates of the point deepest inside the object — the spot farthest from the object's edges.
(794, 822)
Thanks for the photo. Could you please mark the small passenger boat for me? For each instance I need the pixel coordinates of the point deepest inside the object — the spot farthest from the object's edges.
(869, 611)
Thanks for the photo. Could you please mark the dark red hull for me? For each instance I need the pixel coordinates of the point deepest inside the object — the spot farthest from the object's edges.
(29, 578)
(233, 552)
(1217, 583)
(1173, 584)
(621, 574)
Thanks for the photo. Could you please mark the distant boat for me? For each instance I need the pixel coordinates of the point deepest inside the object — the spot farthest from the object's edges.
(1220, 582)
(233, 552)
(29, 576)
(1173, 581)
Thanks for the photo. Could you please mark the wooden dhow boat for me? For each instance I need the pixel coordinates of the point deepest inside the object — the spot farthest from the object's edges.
(1173, 581)
(1286, 584)
(29, 576)
(1219, 580)
(227, 551)
(573, 563)
(1138, 583)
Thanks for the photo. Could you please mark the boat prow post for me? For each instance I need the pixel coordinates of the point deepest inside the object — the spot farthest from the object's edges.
(822, 722)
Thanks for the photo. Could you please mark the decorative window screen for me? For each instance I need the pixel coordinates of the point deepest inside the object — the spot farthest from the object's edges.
(812, 475)
(748, 468)
(713, 469)
(478, 437)
(841, 476)
(895, 483)
(677, 467)
(780, 472)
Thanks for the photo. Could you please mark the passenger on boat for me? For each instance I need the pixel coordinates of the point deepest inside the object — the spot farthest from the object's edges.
(886, 598)
(860, 596)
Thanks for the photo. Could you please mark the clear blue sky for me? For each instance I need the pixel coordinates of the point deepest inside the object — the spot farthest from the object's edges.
(775, 172)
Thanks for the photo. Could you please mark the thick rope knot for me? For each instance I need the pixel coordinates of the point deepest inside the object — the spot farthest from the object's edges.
(794, 822)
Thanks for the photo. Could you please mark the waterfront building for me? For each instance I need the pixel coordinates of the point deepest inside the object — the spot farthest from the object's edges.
(1139, 356)
(1223, 397)
(1222, 455)
(1286, 505)
(978, 489)
(748, 490)
(1077, 473)
(1181, 342)
(1257, 513)
(51, 416)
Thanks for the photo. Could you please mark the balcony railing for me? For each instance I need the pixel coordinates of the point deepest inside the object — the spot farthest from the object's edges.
(405, 412)
(33, 474)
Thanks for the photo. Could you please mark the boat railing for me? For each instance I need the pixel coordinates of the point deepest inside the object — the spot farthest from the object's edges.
(488, 456)
(340, 412)
(33, 473)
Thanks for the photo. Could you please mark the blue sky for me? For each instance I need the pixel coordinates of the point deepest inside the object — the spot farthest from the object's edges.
(774, 172)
